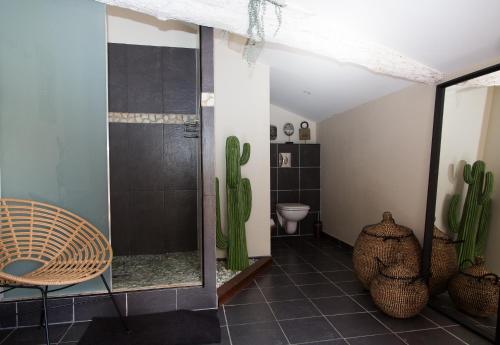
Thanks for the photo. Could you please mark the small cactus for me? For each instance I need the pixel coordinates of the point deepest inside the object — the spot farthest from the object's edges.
(239, 206)
(472, 225)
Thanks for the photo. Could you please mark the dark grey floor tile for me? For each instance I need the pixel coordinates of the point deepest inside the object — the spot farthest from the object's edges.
(308, 330)
(321, 290)
(289, 259)
(468, 336)
(352, 288)
(248, 313)
(224, 337)
(346, 261)
(76, 331)
(247, 297)
(294, 309)
(281, 251)
(328, 265)
(308, 278)
(4, 333)
(264, 333)
(329, 342)
(298, 268)
(35, 335)
(252, 285)
(437, 317)
(366, 302)
(337, 305)
(222, 316)
(273, 280)
(341, 276)
(282, 293)
(316, 257)
(270, 271)
(402, 325)
(357, 325)
(430, 337)
(386, 339)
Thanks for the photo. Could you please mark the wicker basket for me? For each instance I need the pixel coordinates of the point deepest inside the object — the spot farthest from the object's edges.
(475, 290)
(399, 291)
(444, 263)
(386, 241)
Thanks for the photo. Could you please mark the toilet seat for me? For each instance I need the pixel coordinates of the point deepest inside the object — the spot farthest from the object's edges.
(292, 206)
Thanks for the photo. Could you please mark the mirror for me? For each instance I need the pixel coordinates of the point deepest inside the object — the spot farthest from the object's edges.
(464, 263)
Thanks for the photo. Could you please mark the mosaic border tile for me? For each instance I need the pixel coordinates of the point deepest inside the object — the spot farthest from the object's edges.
(207, 99)
(167, 119)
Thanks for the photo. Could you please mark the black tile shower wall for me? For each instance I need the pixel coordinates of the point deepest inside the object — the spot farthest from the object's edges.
(153, 167)
(298, 184)
(154, 188)
(148, 79)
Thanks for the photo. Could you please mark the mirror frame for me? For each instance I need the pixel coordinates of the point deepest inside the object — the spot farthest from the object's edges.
(433, 179)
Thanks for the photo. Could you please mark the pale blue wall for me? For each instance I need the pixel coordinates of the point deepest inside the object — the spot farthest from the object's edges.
(53, 125)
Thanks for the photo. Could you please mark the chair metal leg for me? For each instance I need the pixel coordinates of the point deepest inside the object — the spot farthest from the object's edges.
(45, 321)
(122, 319)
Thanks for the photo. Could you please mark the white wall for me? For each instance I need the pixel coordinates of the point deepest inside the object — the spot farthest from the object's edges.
(242, 109)
(280, 116)
(463, 117)
(375, 158)
(492, 159)
(130, 27)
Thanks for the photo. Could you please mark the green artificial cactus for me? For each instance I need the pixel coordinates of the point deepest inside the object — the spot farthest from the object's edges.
(239, 206)
(472, 226)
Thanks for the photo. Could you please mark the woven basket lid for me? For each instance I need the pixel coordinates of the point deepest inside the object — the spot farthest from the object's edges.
(438, 234)
(399, 271)
(478, 269)
(387, 228)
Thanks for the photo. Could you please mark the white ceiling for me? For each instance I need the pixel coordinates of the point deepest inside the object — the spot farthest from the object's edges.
(448, 35)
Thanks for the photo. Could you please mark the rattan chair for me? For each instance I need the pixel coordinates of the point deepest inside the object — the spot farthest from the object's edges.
(68, 249)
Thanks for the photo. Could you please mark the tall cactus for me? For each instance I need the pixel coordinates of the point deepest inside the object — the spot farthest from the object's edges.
(239, 206)
(472, 226)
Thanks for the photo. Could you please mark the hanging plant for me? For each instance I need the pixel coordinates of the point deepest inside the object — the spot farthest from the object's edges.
(256, 30)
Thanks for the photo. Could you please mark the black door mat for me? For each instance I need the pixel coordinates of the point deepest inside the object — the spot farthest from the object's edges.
(181, 327)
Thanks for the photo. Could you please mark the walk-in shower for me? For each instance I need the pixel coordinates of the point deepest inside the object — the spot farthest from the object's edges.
(154, 160)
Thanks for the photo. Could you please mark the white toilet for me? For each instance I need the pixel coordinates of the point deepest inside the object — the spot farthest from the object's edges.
(290, 214)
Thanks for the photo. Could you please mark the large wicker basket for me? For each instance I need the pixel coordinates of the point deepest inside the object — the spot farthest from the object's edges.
(386, 241)
(444, 263)
(399, 292)
(475, 290)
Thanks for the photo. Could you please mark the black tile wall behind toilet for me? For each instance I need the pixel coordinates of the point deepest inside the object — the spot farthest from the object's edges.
(298, 184)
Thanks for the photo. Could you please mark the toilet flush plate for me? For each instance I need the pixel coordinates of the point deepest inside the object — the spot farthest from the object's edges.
(285, 160)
